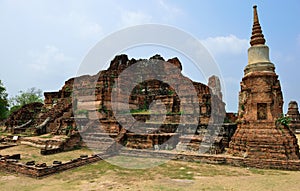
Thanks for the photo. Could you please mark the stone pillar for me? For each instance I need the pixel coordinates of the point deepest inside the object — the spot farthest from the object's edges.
(215, 86)
(217, 106)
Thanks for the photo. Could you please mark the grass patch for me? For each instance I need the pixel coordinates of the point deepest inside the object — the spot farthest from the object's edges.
(177, 172)
(2, 173)
(46, 136)
(267, 171)
(97, 168)
(164, 188)
(140, 111)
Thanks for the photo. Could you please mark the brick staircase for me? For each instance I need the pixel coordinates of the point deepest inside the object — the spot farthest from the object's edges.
(98, 141)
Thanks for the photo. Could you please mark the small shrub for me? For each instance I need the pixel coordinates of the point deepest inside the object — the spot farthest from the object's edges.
(68, 89)
(243, 107)
(284, 120)
(103, 109)
(82, 112)
(170, 92)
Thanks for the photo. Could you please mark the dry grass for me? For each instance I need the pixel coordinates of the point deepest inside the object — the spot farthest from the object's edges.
(29, 153)
(163, 175)
(172, 175)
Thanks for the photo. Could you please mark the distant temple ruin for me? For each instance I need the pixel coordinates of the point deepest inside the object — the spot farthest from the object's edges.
(293, 114)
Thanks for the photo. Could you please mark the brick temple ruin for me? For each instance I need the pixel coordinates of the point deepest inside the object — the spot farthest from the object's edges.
(260, 105)
(293, 114)
(83, 112)
(85, 107)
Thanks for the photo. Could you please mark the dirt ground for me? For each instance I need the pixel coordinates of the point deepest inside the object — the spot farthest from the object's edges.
(170, 176)
(121, 173)
(165, 176)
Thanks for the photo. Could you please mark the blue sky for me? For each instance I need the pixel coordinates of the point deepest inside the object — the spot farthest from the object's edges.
(44, 42)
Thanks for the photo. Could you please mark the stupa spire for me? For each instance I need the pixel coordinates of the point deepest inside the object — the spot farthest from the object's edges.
(257, 37)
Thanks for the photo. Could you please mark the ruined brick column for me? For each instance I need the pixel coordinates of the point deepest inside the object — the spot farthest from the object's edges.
(260, 105)
(293, 113)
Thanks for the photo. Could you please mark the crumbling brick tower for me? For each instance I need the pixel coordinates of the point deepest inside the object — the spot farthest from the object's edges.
(258, 135)
(293, 114)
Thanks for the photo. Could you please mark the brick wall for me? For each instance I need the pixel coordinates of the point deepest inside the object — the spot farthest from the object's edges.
(33, 171)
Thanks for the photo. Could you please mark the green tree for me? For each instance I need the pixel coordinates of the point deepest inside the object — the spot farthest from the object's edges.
(25, 97)
(3, 102)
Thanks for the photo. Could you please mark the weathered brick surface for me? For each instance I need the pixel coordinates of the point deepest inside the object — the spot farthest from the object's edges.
(34, 171)
(293, 114)
(90, 97)
(258, 135)
(93, 93)
(23, 115)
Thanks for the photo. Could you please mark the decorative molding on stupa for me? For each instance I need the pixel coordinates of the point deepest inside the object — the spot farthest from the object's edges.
(258, 53)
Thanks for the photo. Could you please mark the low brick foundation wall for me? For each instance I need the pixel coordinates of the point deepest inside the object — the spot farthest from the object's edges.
(33, 171)
(5, 146)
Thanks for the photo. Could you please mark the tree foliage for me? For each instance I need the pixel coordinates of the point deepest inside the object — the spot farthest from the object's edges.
(3, 102)
(26, 97)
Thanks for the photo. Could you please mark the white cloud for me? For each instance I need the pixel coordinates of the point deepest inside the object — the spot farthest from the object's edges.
(170, 10)
(130, 18)
(48, 59)
(226, 45)
(85, 26)
(158, 11)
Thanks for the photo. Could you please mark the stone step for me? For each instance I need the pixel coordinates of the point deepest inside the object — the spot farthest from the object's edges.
(97, 134)
(98, 139)
(98, 145)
